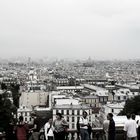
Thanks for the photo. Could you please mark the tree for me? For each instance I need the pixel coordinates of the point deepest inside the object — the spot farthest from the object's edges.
(72, 81)
(15, 94)
(7, 109)
(3, 86)
(131, 106)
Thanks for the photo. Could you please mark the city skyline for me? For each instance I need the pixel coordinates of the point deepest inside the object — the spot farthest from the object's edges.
(70, 29)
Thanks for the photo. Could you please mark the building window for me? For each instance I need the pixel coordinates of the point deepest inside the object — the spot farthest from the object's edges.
(73, 126)
(118, 97)
(112, 110)
(57, 111)
(72, 119)
(62, 111)
(25, 113)
(72, 112)
(78, 112)
(25, 119)
(67, 119)
(67, 112)
(89, 118)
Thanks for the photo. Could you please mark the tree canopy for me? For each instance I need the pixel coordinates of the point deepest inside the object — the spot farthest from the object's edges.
(132, 105)
(6, 110)
(7, 107)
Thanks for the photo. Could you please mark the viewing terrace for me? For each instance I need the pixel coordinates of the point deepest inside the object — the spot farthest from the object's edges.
(97, 134)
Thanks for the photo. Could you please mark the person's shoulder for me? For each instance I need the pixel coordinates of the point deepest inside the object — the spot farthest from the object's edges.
(106, 122)
(81, 118)
(46, 124)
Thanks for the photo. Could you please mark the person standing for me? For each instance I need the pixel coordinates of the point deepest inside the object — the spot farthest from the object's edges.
(138, 130)
(49, 130)
(105, 128)
(111, 128)
(21, 129)
(35, 129)
(84, 126)
(130, 129)
(10, 133)
(59, 125)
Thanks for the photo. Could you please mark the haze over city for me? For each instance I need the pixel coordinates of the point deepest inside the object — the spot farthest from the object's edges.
(103, 29)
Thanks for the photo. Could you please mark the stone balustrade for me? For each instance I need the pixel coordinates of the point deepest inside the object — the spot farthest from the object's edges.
(97, 134)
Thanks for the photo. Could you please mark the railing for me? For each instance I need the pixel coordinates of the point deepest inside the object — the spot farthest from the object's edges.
(97, 134)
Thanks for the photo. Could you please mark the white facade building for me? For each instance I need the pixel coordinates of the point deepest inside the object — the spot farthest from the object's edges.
(26, 113)
(113, 108)
(31, 99)
(69, 88)
(71, 113)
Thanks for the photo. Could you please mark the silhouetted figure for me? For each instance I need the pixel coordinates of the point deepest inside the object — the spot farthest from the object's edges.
(138, 131)
(10, 134)
(78, 129)
(35, 129)
(111, 128)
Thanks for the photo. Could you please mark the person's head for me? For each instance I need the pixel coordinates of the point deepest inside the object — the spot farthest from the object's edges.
(33, 115)
(21, 119)
(109, 116)
(128, 116)
(59, 116)
(50, 120)
(85, 114)
(133, 116)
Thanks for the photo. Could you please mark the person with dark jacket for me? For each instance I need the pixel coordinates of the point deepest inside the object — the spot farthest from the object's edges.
(35, 129)
(10, 133)
(111, 128)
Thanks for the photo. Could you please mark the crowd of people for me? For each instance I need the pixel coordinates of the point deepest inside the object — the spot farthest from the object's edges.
(57, 129)
(131, 128)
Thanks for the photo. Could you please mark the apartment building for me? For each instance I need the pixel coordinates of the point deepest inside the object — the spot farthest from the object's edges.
(72, 113)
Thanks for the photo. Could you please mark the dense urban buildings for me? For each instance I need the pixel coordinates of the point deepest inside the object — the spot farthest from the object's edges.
(68, 87)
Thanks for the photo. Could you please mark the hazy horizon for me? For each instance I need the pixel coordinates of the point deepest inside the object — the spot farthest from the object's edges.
(72, 29)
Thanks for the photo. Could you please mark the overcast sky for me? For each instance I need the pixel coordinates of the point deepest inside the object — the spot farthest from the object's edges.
(101, 29)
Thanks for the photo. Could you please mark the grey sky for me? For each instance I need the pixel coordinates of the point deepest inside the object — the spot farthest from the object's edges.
(101, 29)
